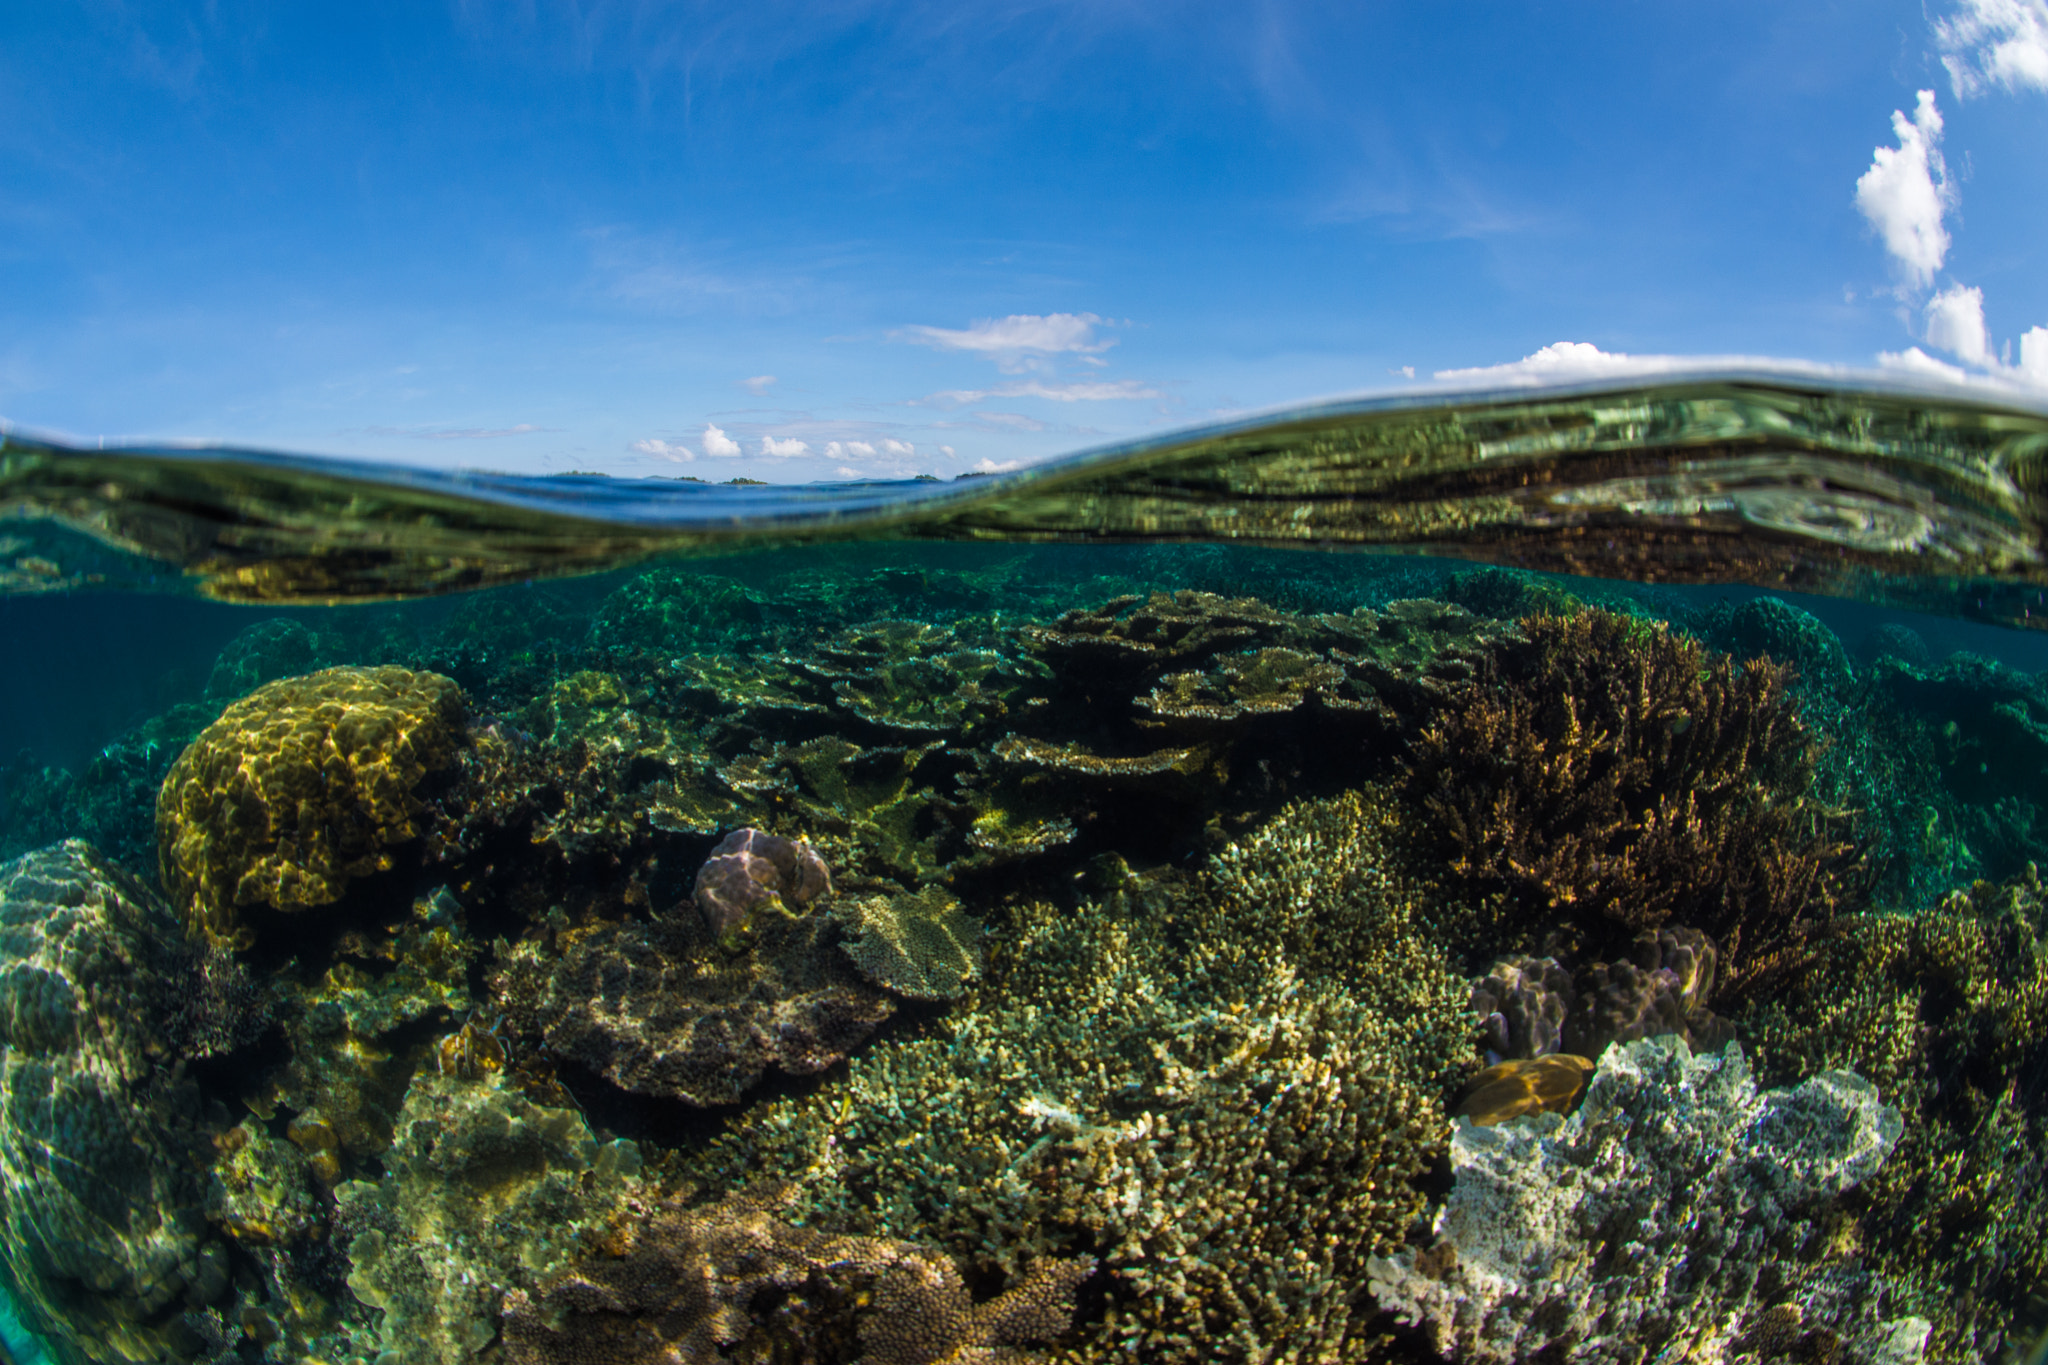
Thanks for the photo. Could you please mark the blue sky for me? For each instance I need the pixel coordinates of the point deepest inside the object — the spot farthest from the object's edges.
(798, 241)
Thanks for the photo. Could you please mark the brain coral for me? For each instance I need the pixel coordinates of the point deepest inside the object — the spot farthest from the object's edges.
(300, 786)
(1222, 1088)
(103, 1236)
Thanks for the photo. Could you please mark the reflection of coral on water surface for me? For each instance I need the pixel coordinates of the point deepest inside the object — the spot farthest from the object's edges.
(915, 966)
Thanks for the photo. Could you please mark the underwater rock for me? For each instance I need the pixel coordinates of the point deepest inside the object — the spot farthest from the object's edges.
(1521, 1003)
(1222, 1087)
(300, 787)
(103, 1233)
(732, 1281)
(1550, 1084)
(484, 1192)
(751, 869)
(658, 1010)
(1720, 1192)
(921, 945)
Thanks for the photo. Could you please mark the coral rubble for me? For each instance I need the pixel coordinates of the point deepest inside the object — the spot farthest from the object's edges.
(1674, 1213)
(299, 787)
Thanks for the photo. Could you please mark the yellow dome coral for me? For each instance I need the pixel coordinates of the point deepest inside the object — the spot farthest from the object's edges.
(300, 786)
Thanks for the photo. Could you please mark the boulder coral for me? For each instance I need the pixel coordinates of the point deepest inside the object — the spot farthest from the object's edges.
(298, 788)
(751, 870)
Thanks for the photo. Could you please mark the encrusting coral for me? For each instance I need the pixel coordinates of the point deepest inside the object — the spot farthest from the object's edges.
(1672, 1214)
(1222, 1089)
(922, 945)
(299, 787)
(733, 1281)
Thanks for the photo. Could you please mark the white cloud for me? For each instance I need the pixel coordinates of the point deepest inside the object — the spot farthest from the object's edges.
(1995, 42)
(895, 447)
(716, 442)
(1569, 360)
(771, 446)
(2033, 366)
(760, 383)
(947, 451)
(1913, 360)
(848, 471)
(1083, 391)
(663, 450)
(1020, 340)
(1955, 323)
(987, 466)
(1906, 190)
(1016, 421)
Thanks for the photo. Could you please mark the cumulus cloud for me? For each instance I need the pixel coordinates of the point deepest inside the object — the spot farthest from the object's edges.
(1562, 360)
(1906, 191)
(1995, 42)
(1915, 361)
(2033, 366)
(663, 450)
(891, 446)
(1955, 323)
(1019, 341)
(716, 442)
(760, 383)
(987, 466)
(771, 446)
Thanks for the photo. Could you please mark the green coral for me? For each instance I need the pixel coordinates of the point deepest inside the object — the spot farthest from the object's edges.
(922, 945)
(1223, 1089)
(300, 787)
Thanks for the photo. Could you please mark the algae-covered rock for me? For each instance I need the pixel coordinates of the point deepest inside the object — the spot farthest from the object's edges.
(484, 1192)
(301, 786)
(103, 1233)
(1667, 1217)
(922, 945)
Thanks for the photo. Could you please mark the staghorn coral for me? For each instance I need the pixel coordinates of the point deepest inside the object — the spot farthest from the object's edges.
(1222, 1090)
(1947, 1010)
(299, 787)
(1616, 775)
(921, 945)
(750, 871)
(733, 1281)
(658, 1010)
(103, 1238)
(484, 1192)
(1677, 1210)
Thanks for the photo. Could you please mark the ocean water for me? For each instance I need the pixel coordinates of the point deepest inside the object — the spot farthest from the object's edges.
(1545, 874)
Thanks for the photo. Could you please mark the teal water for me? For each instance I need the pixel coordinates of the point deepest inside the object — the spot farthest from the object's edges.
(1530, 875)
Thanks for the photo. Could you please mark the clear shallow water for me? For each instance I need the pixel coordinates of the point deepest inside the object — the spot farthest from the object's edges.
(406, 1001)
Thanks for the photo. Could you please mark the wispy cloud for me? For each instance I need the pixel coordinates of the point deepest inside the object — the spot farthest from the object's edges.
(1019, 342)
(1014, 421)
(1995, 42)
(664, 450)
(1906, 191)
(717, 443)
(759, 384)
(459, 433)
(1083, 391)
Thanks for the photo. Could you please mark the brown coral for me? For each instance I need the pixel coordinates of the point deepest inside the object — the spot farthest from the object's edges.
(733, 1281)
(1618, 775)
(299, 787)
(750, 870)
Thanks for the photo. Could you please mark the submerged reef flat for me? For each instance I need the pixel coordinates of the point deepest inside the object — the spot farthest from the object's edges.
(1149, 957)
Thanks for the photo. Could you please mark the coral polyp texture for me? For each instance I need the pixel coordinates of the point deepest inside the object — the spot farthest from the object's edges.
(301, 786)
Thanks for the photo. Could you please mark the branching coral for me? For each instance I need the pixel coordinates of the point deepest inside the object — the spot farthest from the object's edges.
(1616, 775)
(299, 787)
(1223, 1090)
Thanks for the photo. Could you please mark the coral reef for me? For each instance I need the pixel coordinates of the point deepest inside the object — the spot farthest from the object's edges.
(1613, 776)
(103, 1235)
(732, 1281)
(1712, 1209)
(750, 871)
(659, 1010)
(922, 945)
(1947, 1010)
(299, 787)
(1222, 1089)
(484, 1193)
(1662, 987)
(1521, 1003)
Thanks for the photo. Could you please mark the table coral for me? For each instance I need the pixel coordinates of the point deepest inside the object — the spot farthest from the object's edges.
(1222, 1088)
(733, 1281)
(922, 945)
(103, 1236)
(1672, 1214)
(484, 1192)
(300, 787)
